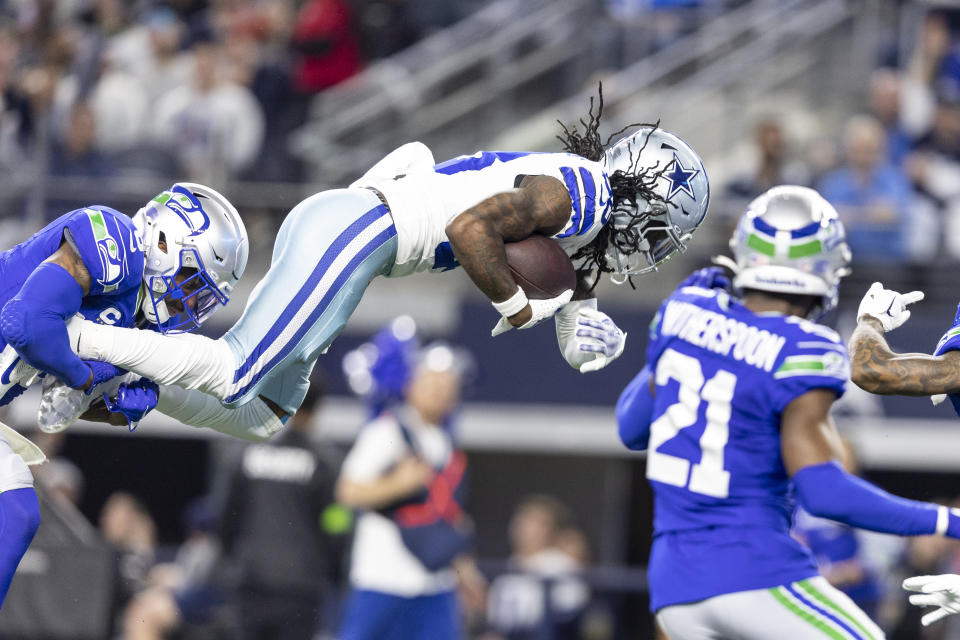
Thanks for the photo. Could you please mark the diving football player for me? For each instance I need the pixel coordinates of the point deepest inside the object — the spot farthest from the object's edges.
(621, 210)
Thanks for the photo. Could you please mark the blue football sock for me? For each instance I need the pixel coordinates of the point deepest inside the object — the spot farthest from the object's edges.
(19, 520)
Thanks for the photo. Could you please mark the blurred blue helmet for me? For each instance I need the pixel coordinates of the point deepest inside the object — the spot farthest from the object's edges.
(657, 220)
(195, 250)
(791, 240)
(379, 370)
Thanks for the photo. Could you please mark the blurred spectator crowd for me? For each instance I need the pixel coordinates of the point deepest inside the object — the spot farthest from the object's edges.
(203, 90)
(893, 172)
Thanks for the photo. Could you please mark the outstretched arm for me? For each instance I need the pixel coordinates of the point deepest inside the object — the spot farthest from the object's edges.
(34, 321)
(541, 205)
(876, 368)
(810, 447)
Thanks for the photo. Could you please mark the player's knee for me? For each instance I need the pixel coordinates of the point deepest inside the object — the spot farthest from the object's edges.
(14, 322)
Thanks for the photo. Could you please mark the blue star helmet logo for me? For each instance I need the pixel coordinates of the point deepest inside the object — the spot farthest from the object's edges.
(679, 178)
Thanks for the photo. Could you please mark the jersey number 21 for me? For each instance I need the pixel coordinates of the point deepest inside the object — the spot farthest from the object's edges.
(708, 476)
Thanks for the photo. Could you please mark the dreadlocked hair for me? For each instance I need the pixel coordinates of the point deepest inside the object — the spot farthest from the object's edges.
(626, 188)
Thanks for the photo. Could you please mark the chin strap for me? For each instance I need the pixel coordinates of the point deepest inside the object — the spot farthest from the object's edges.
(726, 261)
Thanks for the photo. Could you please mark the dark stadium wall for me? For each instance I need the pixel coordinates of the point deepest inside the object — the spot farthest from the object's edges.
(164, 473)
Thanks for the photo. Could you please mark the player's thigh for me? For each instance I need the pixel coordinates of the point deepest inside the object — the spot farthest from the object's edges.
(322, 232)
(332, 246)
(806, 610)
(688, 622)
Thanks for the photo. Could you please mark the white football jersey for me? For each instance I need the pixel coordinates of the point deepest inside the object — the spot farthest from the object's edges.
(424, 198)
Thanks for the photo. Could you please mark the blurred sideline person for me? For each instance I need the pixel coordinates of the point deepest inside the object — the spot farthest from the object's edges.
(733, 408)
(540, 596)
(126, 524)
(620, 209)
(273, 530)
(395, 459)
(873, 195)
(185, 250)
(186, 590)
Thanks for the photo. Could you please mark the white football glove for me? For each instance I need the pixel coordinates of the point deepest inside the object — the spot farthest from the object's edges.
(887, 306)
(589, 340)
(542, 309)
(935, 591)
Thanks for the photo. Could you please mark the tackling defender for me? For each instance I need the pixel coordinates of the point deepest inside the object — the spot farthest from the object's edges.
(185, 249)
(734, 411)
(625, 209)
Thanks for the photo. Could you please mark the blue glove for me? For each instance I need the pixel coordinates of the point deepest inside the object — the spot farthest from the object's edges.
(708, 278)
(102, 371)
(134, 400)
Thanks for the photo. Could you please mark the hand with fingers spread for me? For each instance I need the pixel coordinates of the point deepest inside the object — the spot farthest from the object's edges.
(887, 306)
(588, 338)
(941, 591)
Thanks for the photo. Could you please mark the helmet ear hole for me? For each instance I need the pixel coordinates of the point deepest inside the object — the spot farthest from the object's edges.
(162, 242)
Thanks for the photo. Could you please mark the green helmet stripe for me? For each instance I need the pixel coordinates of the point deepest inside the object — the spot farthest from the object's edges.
(759, 244)
(811, 248)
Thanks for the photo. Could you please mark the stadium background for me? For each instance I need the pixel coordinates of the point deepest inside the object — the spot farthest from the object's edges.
(108, 102)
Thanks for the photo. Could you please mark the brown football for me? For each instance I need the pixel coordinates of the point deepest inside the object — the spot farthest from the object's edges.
(540, 267)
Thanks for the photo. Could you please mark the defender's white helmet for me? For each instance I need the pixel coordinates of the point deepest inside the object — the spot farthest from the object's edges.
(791, 240)
(667, 207)
(195, 250)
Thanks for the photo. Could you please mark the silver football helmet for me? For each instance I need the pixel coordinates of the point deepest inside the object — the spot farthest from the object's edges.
(791, 240)
(195, 250)
(669, 205)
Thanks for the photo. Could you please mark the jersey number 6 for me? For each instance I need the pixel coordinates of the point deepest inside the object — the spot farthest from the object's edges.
(707, 476)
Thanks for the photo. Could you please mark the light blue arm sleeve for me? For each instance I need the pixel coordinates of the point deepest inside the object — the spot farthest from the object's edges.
(634, 412)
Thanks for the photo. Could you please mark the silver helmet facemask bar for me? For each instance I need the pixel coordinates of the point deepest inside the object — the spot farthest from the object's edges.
(649, 236)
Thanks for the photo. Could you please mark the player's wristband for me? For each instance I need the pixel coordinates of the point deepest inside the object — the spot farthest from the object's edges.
(512, 305)
(948, 522)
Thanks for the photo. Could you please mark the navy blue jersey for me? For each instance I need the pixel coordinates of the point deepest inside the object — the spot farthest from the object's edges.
(723, 376)
(110, 248)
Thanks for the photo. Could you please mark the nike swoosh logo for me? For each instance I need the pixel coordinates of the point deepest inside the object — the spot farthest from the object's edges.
(5, 378)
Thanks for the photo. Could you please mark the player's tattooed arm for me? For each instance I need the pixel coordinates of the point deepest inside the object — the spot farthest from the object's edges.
(876, 368)
(541, 205)
(68, 258)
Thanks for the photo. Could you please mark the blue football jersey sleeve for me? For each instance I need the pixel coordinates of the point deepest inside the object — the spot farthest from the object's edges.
(110, 248)
(814, 357)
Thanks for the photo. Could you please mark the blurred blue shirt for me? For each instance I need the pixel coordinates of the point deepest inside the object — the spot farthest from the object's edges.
(888, 186)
